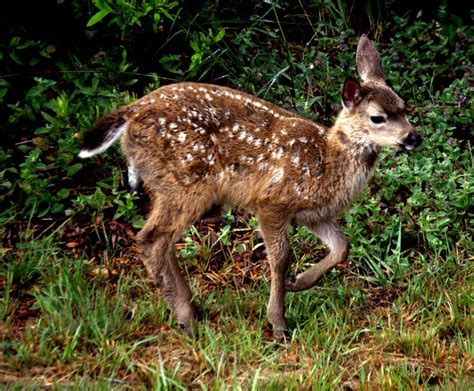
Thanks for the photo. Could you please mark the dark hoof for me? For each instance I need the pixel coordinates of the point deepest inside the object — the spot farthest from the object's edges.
(281, 336)
(291, 284)
(190, 329)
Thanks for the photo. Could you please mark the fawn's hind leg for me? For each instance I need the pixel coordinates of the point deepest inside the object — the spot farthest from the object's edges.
(331, 236)
(274, 229)
(161, 264)
(157, 243)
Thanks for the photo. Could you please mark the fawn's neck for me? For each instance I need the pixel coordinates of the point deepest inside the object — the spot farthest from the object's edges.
(348, 141)
(350, 162)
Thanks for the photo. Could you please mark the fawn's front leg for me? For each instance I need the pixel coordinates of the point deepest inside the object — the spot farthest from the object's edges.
(331, 236)
(274, 230)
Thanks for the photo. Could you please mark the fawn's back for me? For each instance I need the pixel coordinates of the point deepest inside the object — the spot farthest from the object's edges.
(236, 148)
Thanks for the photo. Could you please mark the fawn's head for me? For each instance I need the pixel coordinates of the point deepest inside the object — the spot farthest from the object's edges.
(377, 112)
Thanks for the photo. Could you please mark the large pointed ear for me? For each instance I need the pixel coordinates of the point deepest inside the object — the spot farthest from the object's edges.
(351, 95)
(368, 60)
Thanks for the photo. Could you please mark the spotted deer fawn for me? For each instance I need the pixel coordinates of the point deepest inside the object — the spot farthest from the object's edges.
(194, 145)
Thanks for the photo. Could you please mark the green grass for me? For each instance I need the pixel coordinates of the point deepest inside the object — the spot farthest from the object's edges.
(93, 329)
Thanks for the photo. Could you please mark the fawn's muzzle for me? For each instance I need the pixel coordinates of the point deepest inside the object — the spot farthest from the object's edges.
(412, 141)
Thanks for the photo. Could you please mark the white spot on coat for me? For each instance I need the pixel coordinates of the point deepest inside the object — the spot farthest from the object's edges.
(295, 159)
(277, 154)
(246, 159)
(262, 166)
(278, 174)
(306, 170)
(181, 137)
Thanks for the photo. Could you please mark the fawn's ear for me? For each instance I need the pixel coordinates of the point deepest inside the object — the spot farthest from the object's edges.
(351, 95)
(368, 60)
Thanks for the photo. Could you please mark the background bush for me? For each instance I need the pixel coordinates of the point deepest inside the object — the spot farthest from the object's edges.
(65, 64)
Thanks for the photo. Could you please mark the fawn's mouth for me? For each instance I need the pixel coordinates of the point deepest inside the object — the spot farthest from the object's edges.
(412, 141)
(406, 148)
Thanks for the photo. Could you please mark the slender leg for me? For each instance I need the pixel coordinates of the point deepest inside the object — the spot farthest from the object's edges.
(328, 232)
(162, 266)
(275, 236)
(156, 240)
(178, 294)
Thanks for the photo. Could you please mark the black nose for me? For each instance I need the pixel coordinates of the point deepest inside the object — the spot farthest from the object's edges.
(412, 141)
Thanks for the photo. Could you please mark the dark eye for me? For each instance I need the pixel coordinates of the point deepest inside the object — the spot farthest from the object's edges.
(377, 119)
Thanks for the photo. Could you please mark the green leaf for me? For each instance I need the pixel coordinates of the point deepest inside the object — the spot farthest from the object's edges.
(102, 5)
(63, 193)
(51, 119)
(156, 21)
(37, 90)
(73, 169)
(172, 63)
(98, 17)
(47, 51)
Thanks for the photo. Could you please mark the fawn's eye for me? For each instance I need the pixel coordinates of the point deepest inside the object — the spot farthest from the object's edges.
(377, 119)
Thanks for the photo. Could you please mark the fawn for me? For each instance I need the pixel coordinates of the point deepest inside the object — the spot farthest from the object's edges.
(194, 145)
